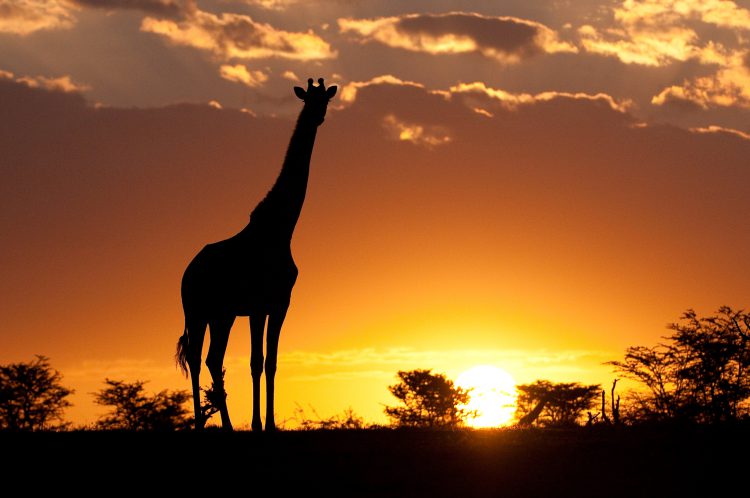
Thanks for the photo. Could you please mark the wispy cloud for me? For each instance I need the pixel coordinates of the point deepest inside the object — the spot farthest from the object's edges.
(360, 363)
(383, 364)
(60, 84)
(23, 17)
(721, 129)
(290, 75)
(514, 100)
(237, 36)
(123, 368)
(272, 4)
(408, 356)
(349, 90)
(240, 74)
(424, 135)
(505, 39)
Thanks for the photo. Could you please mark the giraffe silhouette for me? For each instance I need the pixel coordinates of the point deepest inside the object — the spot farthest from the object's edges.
(251, 274)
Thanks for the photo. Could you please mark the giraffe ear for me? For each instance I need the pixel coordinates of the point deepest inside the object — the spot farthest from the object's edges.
(331, 91)
(300, 92)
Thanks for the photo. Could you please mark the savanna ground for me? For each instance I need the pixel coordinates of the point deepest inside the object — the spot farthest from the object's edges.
(597, 461)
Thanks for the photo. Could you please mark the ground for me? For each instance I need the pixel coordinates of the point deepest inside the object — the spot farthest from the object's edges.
(600, 462)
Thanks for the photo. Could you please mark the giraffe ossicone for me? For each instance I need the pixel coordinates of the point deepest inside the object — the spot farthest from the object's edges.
(251, 274)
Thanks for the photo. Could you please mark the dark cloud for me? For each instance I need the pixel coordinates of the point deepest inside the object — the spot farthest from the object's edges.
(506, 39)
(502, 34)
(164, 8)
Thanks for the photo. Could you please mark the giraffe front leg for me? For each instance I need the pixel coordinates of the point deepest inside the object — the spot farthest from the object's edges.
(275, 321)
(257, 326)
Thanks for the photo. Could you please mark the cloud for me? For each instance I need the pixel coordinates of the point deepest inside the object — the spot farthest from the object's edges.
(728, 87)
(60, 84)
(662, 32)
(121, 368)
(636, 45)
(237, 36)
(349, 91)
(514, 100)
(393, 357)
(272, 4)
(354, 364)
(658, 32)
(290, 75)
(722, 13)
(427, 136)
(505, 39)
(168, 8)
(239, 74)
(23, 17)
(721, 129)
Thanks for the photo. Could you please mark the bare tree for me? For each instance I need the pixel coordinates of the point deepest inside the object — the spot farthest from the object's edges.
(32, 397)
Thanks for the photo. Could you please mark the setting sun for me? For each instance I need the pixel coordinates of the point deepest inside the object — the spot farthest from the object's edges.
(493, 395)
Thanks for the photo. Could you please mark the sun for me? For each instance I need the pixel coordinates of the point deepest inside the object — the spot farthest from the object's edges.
(492, 396)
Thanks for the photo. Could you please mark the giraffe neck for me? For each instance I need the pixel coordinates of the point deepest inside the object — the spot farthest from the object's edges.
(278, 212)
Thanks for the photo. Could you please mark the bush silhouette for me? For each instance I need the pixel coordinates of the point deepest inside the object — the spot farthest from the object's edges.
(133, 410)
(429, 400)
(31, 396)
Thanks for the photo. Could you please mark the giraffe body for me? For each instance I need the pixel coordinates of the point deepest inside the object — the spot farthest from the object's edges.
(239, 276)
(251, 274)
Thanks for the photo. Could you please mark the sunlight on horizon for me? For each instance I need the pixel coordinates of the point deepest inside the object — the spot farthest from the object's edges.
(492, 395)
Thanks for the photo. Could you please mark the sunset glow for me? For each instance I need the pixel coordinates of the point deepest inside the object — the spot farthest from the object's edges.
(493, 395)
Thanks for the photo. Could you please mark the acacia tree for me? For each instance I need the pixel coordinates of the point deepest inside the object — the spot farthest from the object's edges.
(700, 375)
(429, 400)
(563, 403)
(31, 396)
(133, 410)
(667, 395)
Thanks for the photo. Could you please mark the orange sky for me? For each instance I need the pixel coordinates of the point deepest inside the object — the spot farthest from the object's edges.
(451, 219)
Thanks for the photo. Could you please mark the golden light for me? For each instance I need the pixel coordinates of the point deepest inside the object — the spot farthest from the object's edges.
(492, 396)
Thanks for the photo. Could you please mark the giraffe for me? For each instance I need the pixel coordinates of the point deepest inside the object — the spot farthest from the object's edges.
(251, 274)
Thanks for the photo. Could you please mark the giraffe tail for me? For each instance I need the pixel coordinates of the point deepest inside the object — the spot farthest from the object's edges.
(182, 352)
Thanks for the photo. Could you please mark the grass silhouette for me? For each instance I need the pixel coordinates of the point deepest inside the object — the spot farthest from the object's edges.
(599, 461)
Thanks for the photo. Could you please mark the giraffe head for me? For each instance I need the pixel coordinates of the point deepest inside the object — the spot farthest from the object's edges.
(316, 99)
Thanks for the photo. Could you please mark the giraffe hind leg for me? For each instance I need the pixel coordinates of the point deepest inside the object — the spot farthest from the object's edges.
(196, 332)
(219, 330)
